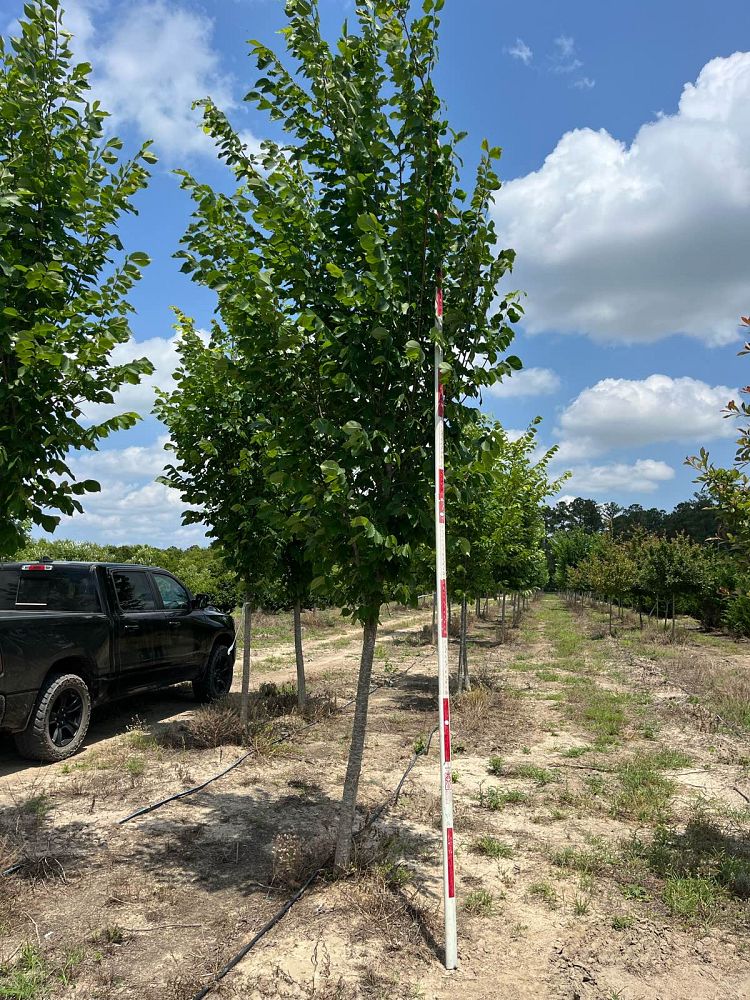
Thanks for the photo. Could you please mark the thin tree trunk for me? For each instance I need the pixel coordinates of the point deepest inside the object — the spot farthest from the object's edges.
(465, 658)
(299, 653)
(359, 727)
(486, 606)
(640, 612)
(674, 616)
(247, 612)
(479, 607)
(502, 619)
(610, 616)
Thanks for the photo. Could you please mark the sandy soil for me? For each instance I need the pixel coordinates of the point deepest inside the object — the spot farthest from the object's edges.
(569, 909)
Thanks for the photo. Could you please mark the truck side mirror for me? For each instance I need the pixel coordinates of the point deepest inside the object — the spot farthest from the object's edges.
(201, 601)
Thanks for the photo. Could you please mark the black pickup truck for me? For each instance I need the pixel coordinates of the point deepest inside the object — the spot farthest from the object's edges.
(75, 635)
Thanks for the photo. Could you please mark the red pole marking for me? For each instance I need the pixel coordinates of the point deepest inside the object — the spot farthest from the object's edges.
(447, 728)
(441, 400)
(451, 876)
(441, 495)
(443, 609)
(439, 302)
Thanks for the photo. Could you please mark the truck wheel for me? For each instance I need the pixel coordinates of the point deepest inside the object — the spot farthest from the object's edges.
(59, 722)
(216, 679)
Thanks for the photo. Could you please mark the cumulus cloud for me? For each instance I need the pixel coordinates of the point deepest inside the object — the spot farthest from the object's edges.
(152, 59)
(625, 413)
(128, 511)
(527, 382)
(643, 476)
(162, 353)
(634, 243)
(520, 50)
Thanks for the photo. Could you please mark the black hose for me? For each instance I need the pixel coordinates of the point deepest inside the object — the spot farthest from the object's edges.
(261, 933)
(393, 797)
(281, 739)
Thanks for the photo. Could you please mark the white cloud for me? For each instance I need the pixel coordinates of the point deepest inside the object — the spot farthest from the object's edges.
(527, 382)
(633, 243)
(624, 413)
(520, 50)
(127, 511)
(642, 476)
(152, 59)
(162, 353)
(585, 83)
(565, 46)
(135, 461)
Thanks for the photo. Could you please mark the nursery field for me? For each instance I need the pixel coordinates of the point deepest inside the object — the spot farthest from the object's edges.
(602, 798)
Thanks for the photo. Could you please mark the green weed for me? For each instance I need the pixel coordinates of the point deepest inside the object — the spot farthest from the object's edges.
(480, 903)
(490, 847)
(496, 798)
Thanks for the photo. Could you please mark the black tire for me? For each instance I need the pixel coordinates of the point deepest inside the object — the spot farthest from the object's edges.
(216, 680)
(59, 721)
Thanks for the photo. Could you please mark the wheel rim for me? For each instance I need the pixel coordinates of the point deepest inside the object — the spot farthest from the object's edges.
(65, 717)
(222, 674)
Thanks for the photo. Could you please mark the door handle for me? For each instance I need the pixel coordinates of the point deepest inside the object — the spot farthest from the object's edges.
(132, 628)
(173, 624)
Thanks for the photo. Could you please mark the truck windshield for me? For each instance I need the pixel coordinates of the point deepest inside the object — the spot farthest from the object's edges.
(63, 588)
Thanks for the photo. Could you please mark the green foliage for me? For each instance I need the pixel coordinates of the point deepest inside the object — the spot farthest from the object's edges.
(64, 279)
(324, 262)
(202, 570)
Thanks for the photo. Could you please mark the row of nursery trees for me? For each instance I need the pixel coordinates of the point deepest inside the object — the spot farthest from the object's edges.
(301, 429)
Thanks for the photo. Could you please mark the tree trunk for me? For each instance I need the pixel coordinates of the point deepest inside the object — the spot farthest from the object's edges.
(486, 606)
(434, 618)
(674, 616)
(299, 653)
(463, 662)
(479, 607)
(640, 612)
(502, 619)
(610, 616)
(354, 767)
(247, 612)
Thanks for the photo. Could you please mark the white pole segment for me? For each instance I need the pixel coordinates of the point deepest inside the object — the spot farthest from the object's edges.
(446, 779)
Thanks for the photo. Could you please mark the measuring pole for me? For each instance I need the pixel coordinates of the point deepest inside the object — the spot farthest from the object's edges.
(446, 779)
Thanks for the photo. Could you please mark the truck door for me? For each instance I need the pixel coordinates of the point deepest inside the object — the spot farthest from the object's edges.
(186, 641)
(140, 629)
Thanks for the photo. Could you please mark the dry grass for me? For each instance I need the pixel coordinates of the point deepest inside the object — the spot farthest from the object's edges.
(723, 684)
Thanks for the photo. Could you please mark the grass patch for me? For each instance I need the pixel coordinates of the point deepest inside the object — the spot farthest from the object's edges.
(32, 976)
(692, 898)
(37, 806)
(480, 903)
(544, 891)
(586, 861)
(644, 793)
(541, 775)
(491, 847)
(495, 766)
(498, 798)
(622, 921)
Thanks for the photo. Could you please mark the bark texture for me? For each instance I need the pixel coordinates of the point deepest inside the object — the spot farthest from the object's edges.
(300, 655)
(247, 611)
(354, 768)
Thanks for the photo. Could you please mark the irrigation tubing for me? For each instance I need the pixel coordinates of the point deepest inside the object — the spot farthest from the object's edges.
(280, 913)
(144, 810)
(225, 970)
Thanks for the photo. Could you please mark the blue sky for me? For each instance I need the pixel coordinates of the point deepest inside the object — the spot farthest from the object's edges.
(626, 138)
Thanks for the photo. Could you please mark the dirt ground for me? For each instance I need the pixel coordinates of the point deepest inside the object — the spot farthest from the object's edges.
(602, 799)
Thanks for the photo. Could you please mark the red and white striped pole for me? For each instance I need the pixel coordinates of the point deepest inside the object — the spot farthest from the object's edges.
(446, 779)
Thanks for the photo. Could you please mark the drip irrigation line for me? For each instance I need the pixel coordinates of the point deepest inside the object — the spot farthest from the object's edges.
(261, 933)
(281, 913)
(153, 806)
(13, 868)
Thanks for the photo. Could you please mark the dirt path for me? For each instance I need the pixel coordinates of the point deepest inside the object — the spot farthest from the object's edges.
(602, 848)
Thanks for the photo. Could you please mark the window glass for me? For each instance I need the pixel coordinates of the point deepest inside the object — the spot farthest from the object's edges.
(8, 588)
(133, 591)
(173, 595)
(62, 588)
